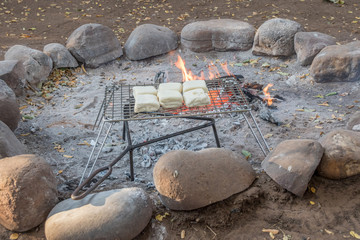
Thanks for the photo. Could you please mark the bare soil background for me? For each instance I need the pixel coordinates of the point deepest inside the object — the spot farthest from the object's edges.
(62, 122)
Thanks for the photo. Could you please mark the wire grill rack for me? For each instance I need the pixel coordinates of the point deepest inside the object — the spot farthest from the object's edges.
(225, 94)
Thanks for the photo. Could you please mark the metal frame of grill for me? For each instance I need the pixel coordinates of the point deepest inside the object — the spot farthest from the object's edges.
(226, 98)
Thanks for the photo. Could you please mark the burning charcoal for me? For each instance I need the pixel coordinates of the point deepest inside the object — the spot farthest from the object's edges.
(267, 115)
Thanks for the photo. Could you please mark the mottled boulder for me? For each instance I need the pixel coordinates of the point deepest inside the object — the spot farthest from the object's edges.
(28, 192)
(9, 108)
(60, 56)
(9, 145)
(150, 40)
(337, 63)
(292, 163)
(309, 44)
(116, 214)
(354, 122)
(342, 154)
(37, 64)
(218, 35)
(275, 37)
(189, 180)
(94, 44)
(13, 73)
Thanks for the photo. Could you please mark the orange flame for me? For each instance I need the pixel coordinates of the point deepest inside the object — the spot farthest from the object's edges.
(213, 71)
(267, 97)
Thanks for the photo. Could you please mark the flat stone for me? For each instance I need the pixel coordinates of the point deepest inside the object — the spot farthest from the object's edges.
(309, 44)
(218, 35)
(189, 180)
(60, 56)
(28, 192)
(13, 73)
(115, 214)
(149, 40)
(292, 163)
(9, 108)
(342, 154)
(9, 145)
(337, 63)
(275, 37)
(94, 44)
(354, 122)
(37, 64)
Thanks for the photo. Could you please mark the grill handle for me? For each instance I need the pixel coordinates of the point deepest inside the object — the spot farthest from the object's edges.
(77, 196)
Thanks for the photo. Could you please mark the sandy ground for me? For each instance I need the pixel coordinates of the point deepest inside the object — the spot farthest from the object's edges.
(61, 128)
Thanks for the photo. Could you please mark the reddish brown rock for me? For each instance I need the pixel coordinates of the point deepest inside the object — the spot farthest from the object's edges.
(354, 122)
(275, 37)
(292, 163)
(218, 35)
(9, 145)
(342, 154)
(309, 44)
(28, 192)
(9, 108)
(337, 63)
(189, 180)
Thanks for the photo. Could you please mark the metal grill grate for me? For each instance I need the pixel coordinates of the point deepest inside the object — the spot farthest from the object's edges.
(225, 94)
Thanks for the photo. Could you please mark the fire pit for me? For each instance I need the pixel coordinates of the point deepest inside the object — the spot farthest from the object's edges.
(226, 98)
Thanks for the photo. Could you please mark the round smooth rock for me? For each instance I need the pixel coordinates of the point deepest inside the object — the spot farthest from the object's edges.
(37, 64)
(337, 63)
(28, 192)
(149, 40)
(13, 73)
(309, 44)
(189, 180)
(60, 56)
(354, 122)
(94, 44)
(341, 158)
(9, 145)
(275, 37)
(292, 163)
(116, 214)
(9, 108)
(218, 35)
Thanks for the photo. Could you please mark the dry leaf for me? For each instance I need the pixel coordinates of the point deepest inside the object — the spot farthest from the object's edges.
(25, 134)
(182, 234)
(273, 231)
(354, 234)
(14, 236)
(328, 232)
(312, 203)
(68, 156)
(313, 190)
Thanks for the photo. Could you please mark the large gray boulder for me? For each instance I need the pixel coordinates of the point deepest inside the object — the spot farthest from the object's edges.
(9, 108)
(150, 40)
(115, 214)
(9, 145)
(275, 37)
(94, 44)
(309, 44)
(37, 64)
(60, 56)
(13, 73)
(218, 35)
(189, 180)
(28, 192)
(342, 154)
(337, 63)
(354, 122)
(292, 163)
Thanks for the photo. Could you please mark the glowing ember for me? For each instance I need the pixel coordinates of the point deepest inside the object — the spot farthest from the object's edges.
(267, 97)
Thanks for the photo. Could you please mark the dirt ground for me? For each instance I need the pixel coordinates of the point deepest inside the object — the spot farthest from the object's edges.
(58, 122)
